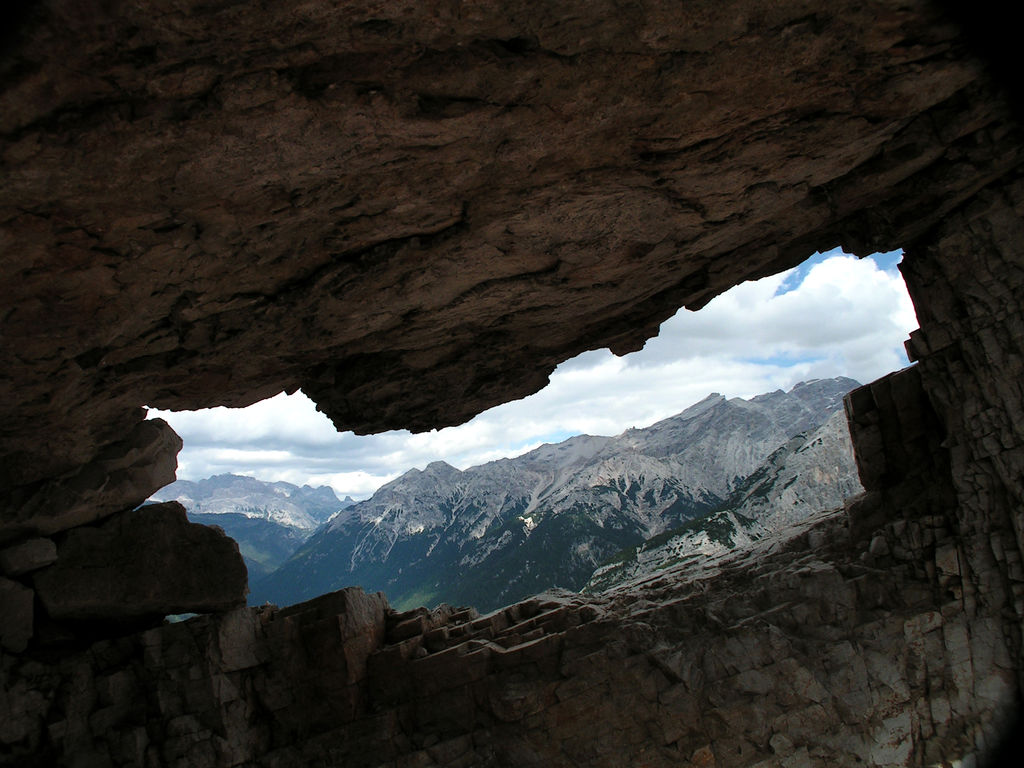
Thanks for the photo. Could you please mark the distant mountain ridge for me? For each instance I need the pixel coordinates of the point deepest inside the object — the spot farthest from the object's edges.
(811, 472)
(269, 520)
(501, 531)
(305, 508)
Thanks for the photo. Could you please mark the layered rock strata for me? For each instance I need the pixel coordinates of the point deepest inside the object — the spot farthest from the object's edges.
(967, 278)
(792, 655)
(149, 561)
(849, 644)
(130, 571)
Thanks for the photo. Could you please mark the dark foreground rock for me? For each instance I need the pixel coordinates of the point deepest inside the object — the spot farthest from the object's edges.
(16, 608)
(26, 556)
(150, 561)
(796, 654)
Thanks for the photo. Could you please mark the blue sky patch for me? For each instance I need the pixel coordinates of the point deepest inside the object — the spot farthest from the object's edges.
(782, 360)
(886, 262)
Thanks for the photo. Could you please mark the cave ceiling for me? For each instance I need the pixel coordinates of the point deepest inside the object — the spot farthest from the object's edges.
(414, 210)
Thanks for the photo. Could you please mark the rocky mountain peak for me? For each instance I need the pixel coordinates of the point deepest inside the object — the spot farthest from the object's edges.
(439, 468)
(502, 530)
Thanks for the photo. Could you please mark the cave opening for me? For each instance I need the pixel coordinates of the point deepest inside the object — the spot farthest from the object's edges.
(277, 475)
(184, 226)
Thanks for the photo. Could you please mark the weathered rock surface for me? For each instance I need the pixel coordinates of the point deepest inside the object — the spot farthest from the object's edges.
(812, 472)
(145, 562)
(792, 655)
(16, 610)
(303, 509)
(120, 476)
(496, 533)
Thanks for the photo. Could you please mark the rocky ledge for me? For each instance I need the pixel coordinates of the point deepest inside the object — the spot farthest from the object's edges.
(792, 655)
(129, 571)
(414, 212)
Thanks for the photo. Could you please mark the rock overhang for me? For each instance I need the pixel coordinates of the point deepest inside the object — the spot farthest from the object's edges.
(414, 214)
(414, 211)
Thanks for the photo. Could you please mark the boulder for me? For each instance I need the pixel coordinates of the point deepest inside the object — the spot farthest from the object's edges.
(119, 475)
(26, 556)
(148, 561)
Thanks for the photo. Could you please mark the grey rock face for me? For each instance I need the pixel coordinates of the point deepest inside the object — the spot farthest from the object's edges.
(301, 508)
(812, 472)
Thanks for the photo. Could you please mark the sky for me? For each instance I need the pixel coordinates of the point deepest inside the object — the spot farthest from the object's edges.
(834, 315)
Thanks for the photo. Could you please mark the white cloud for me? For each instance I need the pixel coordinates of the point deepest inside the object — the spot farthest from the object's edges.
(833, 316)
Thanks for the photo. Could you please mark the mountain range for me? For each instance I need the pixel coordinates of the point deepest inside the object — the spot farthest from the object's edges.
(811, 472)
(269, 520)
(498, 532)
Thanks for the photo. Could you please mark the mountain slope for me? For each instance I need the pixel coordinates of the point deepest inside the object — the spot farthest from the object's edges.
(264, 544)
(498, 532)
(811, 472)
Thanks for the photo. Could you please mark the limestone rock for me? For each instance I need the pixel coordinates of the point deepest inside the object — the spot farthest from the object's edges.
(121, 475)
(779, 655)
(897, 438)
(501, 531)
(143, 562)
(28, 555)
(415, 213)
